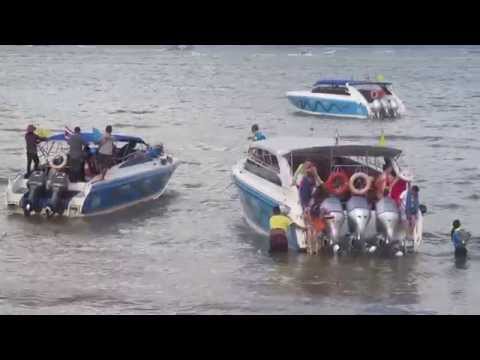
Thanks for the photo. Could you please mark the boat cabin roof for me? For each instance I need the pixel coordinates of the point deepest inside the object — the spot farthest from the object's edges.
(281, 146)
(338, 82)
(92, 137)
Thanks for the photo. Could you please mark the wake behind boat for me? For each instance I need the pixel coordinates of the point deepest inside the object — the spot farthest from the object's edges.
(139, 173)
(349, 99)
(265, 179)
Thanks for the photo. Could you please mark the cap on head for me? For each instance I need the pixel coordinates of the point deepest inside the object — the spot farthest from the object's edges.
(276, 210)
(456, 224)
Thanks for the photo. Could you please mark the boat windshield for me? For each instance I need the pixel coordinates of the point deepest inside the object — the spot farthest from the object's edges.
(330, 89)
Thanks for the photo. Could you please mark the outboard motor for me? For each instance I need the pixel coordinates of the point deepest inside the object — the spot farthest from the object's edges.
(58, 184)
(334, 225)
(36, 188)
(358, 212)
(388, 218)
(393, 108)
(376, 107)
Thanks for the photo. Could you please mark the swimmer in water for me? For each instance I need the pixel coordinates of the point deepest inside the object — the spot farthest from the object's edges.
(459, 239)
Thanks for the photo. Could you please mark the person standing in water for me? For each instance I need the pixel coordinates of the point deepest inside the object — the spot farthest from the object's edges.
(279, 224)
(459, 239)
(31, 140)
(257, 134)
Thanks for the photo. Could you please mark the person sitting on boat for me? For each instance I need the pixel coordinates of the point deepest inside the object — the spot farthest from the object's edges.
(409, 205)
(257, 134)
(31, 140)
(384, 181)
(77, 155)
(459, 239)
(279, 224)
(105, 151)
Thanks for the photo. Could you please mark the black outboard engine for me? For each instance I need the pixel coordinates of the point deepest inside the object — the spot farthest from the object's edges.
(59, 185)
(36, 188)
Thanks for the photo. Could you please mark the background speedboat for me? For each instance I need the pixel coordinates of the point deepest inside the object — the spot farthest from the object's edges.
(349, 99)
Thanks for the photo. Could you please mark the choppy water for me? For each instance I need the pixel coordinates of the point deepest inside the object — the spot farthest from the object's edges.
(190, 252)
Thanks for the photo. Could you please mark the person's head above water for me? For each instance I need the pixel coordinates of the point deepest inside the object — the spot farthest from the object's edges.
(108, 129)
(456, 224)
(276, 210)
(77, 130)
(255, 128)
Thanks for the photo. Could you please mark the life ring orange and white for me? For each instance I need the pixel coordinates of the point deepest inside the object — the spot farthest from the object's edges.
(367, 183)
(337, 183)
(377, 94)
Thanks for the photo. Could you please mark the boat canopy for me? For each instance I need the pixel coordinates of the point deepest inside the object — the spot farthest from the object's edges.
(282, 146)
(92, 137)
(350, 150)
(338, 82)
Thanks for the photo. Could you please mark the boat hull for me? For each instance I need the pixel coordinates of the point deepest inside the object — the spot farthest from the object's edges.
(257, 209)
(106, 197)
(114, 193)
(316, 105)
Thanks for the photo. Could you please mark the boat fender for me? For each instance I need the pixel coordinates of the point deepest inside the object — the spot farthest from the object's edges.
(367, 183)
(58, 162)
(337, 183)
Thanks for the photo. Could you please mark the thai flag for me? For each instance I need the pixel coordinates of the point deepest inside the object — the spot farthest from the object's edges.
(67, 133)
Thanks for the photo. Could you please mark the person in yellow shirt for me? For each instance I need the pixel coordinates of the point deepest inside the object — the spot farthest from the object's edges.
(279, 224)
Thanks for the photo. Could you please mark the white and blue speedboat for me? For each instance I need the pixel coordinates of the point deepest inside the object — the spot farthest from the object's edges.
(140, 173)
(265, 179)
(349, 99)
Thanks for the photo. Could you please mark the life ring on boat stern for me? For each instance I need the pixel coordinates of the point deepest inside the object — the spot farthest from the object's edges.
(375, 94)
(58, 162)
(366, 183)
(337, 183)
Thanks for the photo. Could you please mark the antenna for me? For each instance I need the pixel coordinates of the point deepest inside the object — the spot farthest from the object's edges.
(337, 137)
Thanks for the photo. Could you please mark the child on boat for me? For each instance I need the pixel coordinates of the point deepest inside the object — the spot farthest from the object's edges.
(257, 134)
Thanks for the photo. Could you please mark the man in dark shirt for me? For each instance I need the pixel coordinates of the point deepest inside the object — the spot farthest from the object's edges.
(32, 140)
(77, 155)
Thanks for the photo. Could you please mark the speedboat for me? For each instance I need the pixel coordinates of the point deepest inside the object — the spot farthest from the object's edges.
(349, 99)
(358, 219)
(140, 173)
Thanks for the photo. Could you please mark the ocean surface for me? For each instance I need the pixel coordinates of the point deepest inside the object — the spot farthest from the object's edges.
(190, 252)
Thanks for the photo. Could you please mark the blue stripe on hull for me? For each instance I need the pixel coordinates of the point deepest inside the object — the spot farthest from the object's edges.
(329, 106)
(258, 209)
(121, 192)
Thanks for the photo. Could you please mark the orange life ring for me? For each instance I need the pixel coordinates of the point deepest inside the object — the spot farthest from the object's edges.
(362, 190)
(337, 183)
